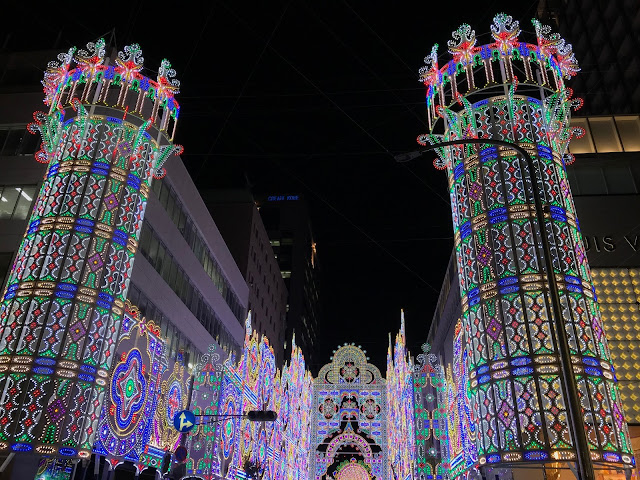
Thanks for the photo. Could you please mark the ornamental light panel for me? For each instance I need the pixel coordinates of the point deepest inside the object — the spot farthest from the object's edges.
(514, 91)
(349, 423)
(223, 449)
(420, 415)
(107, 132)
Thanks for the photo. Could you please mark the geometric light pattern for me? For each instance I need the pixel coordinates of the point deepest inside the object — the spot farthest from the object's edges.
(401, 424)
(173, 389)
(349, 420)
(103, 138)
(205, 395)
(618, 291)
(352, 470)
(278, 449)
(431, 418)
(418, 422)
(461, 423)
(514, 91)
(132, 392)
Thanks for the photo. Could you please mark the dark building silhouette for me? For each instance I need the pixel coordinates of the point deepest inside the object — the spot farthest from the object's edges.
(239, 222)
(606, 40)
(286, 219)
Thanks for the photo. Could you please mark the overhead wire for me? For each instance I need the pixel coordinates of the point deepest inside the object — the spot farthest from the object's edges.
(356, 123)
(244, 86)
(393, 92)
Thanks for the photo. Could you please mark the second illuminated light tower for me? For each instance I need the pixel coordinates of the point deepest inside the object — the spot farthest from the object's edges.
(513, 91)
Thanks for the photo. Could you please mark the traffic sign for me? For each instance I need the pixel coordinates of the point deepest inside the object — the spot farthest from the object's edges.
(184, 421)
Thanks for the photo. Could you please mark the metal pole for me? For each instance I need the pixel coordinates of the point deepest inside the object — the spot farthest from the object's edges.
(568, 379)
(6, 462)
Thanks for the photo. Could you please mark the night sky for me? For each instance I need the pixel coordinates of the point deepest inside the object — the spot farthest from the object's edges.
(311, 98)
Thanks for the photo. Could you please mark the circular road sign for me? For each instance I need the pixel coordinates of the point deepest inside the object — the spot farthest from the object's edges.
(184, 421)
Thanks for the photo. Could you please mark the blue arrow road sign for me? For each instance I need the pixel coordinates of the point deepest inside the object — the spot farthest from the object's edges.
(184, 421)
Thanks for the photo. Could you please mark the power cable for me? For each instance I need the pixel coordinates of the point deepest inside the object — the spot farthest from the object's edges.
(310, 82)
(420, 179)
(244, 86)
(195, 47)
(358, 228)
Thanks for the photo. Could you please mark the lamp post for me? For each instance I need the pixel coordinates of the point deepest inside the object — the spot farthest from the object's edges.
(576, 420)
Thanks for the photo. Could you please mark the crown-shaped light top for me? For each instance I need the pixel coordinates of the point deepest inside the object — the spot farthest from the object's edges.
(120, 85)
(506, 61)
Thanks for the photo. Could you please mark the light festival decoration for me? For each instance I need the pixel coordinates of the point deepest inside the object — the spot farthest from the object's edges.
(461, 422)
(292, 442)
(132, 393)
(349, 418)
(108, 130)
(431, 418)
(173, 389)
(514, 91)
(278, 450)
(400, 408)
(205, 396)
(418, 428)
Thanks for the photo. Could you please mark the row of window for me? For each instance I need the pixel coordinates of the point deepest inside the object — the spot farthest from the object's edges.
(616, 178)
(178, 345)
(161, 259)
(18, 141)
(620, 133)
(186, 226)
(15, 201)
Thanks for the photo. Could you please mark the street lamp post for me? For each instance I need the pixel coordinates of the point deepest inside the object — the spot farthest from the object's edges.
(570, 387)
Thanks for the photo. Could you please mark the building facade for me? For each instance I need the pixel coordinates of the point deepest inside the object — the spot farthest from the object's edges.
(605, 180)
(286, 219)
(240, 223)
(606, 40)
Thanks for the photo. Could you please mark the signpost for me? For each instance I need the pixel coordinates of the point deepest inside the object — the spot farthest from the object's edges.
(185, 420)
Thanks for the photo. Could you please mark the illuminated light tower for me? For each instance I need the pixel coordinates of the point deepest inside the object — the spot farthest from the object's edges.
(512, 93)
(108, 131)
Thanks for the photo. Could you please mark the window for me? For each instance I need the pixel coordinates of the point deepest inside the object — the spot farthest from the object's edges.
(15, 201)
(180, 217)
(178, 281)
(619, 180)
(591, 181)
(604, 134)
(152, 254)
(164, 195)
(17, 141)
(5, 264)
(584, 144)
(629, 130)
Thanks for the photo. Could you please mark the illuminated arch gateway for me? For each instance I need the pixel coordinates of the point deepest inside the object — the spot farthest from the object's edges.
(349, 419)
(514, 91)
(107, 132)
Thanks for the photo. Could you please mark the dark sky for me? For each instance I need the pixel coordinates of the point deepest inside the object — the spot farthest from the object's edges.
(312, 98)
